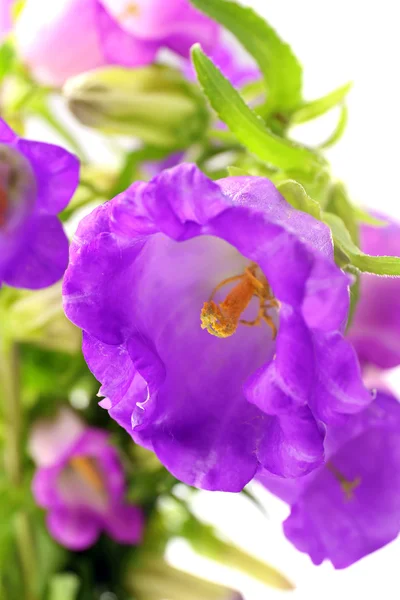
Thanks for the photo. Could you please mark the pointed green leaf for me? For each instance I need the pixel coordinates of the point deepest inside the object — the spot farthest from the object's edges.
(280, 67)
(338, 131)
(249, 129)
(295, 194)
(379, 265)
(316, 108)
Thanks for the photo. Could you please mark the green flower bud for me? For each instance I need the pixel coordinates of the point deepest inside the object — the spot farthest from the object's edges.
(154, 579)
(155, 104)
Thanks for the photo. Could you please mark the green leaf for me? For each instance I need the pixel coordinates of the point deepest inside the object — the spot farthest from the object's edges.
(64, 586)
(280, 67)
(206, 542)
(339, 204)
(7, 56)
(316, 108)
(339, 130)
(379, 265)
(295, 194)
(354, 295)
(249, 129)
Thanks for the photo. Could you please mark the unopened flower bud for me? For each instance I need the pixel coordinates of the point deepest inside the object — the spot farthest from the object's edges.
(154, 578)
(155, 104)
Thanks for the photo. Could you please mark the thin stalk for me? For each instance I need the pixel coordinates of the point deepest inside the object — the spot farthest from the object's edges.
(9, 377)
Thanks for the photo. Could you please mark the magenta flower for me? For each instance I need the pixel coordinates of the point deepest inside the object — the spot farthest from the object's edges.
(37, 181)
(375, 331)
(81, 484)
(213, 317)
(349, 507)
(105, 32)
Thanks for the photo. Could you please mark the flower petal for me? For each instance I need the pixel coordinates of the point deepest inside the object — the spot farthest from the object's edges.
(56, 173)
(73, 528)
(43, 258)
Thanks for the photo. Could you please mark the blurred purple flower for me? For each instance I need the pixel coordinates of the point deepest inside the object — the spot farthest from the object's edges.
(106, 32)
(37, 181)
(214, 408)
(375, 331)
(350, 507)
(80, 482)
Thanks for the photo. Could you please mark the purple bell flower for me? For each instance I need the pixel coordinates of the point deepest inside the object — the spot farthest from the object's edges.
(349, 507)
(81, 484)
(213, 317)
(37, 181)
(375, 331)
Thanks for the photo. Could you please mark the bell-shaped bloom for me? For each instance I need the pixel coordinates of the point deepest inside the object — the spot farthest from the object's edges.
(350, 507)
(213, 317)
(115, 32)
(375, 331)
(81, 483)
(37, 181)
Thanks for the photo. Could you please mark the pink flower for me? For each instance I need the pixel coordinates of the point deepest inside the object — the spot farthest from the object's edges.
(5, 18)
(60, 39)
(80, 481)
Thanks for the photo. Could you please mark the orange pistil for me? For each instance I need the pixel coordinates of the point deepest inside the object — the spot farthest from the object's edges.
(3, 206)
(222, 320)
(348, 486)
(89, 471)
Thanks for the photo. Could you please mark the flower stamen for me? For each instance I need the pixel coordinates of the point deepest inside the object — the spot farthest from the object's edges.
(88, 470)
(132, 10)
(348, 485)
(222, 320)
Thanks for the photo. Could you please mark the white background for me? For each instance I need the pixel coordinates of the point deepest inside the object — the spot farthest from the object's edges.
(337, 41)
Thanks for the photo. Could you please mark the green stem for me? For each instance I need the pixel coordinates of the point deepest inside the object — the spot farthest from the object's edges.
(9, 377)
(57, 126)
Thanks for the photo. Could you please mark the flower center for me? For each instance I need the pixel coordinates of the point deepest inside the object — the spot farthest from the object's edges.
(17, 185)
(3, 205)
(222, 320)
(348, 485)
(88, 471)
(131, 10)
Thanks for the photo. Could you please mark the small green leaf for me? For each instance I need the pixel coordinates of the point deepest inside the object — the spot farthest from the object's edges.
(64, 586)
(316, 108)
(379, 265)
(280, 67)
(249, 129)
(339, 130)
(295, 194)
(339, 204)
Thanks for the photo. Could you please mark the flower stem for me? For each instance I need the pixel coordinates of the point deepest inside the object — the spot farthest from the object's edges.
(12, 411)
